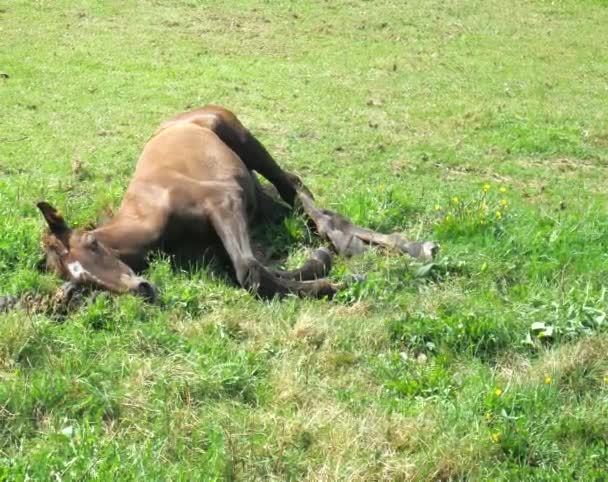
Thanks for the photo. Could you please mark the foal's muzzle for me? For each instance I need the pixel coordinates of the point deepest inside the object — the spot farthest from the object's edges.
(144, 289)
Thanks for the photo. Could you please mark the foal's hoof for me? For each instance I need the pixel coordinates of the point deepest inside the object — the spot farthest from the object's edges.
(323, 256)
(424, 251)
(351, 279)
(326, 290)
(297, 184)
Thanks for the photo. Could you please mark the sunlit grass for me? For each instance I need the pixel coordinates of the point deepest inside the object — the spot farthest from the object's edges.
(481, 125)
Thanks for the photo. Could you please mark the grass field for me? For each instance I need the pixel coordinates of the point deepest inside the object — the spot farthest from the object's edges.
(480, 124)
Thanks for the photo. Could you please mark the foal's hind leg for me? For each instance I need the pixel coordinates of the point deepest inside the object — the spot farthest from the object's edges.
(251, 151)
(349, 239)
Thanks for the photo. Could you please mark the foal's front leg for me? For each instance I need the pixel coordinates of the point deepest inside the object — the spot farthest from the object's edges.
(229, 221)
(318, 266)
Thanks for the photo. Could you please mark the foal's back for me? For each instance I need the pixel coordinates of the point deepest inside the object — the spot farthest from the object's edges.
(183, 174)
(187, 150)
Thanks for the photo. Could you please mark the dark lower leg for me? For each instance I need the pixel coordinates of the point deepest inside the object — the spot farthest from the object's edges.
(269, 207)
(318, 266)
(256, 157)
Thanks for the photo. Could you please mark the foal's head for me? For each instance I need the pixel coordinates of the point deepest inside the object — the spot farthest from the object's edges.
(79, 257)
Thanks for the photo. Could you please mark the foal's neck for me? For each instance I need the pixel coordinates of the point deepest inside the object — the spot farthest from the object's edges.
(131, 238)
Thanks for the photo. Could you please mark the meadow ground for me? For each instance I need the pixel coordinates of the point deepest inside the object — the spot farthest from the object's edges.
(480, 124)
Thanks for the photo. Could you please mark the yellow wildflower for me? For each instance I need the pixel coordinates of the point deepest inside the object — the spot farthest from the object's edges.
(488, 416)
(498, 215)
(486, 187)
(448, 218)
(498, 392)
(496, 437)
(504, 203)
(455, 199)
(605, 379)
(437, 207)
(547, 380)
(503, 189)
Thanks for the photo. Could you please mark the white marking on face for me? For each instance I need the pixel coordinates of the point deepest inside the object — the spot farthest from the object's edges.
(76, 269)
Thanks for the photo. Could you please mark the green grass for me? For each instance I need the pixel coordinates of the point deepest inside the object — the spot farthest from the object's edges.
(489, 364)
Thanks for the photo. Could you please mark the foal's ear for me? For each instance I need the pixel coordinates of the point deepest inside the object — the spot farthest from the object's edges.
(54, 218)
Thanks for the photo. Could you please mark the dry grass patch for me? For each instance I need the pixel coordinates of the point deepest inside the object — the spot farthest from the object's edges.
(583, 359)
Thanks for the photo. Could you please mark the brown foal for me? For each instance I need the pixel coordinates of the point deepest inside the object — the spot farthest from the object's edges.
(195, 181)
